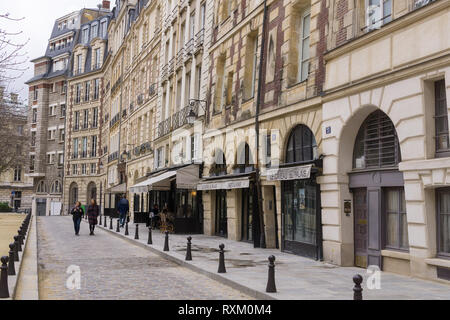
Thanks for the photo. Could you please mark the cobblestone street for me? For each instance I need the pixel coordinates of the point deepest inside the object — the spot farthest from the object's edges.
(111, 268)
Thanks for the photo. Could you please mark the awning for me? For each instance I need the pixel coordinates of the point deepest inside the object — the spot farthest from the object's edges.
(121, 188)
(226, 184)
(188, 177)
(290, 173)
(159, 182)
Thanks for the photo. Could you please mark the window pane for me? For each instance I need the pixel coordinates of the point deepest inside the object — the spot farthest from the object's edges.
(391, 229)
(392, 201)
(444, 241)
(444, 202)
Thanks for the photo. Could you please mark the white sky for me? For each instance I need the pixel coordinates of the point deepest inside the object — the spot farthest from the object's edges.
(40, 15)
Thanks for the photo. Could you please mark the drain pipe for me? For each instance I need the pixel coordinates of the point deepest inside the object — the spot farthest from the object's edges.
(258, 107)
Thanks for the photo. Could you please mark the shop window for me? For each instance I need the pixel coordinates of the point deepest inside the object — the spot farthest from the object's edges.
(377, 144)
(441, 120)
(396, 226)
(301, 146)
(443, 222)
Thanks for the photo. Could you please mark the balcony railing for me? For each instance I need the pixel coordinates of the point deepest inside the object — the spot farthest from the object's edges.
(171, 65)
(189, 49)
(199, 39)
(164, 127)
(113, 156)
(114, 120)
(174, 14)
(165, 72)
(140, 99)
(184, 4)
(179, 119)
(180, 58)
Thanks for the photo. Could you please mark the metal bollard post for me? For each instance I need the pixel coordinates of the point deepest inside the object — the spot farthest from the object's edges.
(4, 291)
(222, 259)
(11, 268)
(189, 249)
(100, 221)
(126, 230)
(118, 226)
(110, 224)
(150, 240)
(357, 290)
(104, 222)
(166, 242)
(17, 244)
(136, 234)
(271, 287)
(21, 237)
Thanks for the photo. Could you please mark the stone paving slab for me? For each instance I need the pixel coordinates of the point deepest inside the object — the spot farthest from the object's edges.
(112, 269)
(297, 278)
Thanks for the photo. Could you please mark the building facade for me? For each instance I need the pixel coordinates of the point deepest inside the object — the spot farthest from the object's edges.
(86, 90)
(16, 188)
(385, 137)
(47, 116)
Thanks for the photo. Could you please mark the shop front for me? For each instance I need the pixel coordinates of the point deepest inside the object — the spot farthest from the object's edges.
(112, 198)
(175, 193)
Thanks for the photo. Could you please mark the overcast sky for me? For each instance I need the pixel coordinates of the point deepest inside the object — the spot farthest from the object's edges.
(39, 17)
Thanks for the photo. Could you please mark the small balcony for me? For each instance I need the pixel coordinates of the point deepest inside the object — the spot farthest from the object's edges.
(165, 72)
(140, 99)
(180, 58)
(113, 156)
(165, 127)
(152, 90)
(179, 119)
(189, 50)
(174, 14)
(199, 39)
(114, 120)
(171, 65)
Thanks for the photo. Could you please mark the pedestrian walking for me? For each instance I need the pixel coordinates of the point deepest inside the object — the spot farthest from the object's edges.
(77, 214)
(123, 208)
(93, 213)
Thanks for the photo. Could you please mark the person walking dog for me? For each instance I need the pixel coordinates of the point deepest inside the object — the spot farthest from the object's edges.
(77, 214)
(123, 208)
(93, 212)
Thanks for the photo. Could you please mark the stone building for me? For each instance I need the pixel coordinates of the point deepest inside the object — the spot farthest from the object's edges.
(289, 81)
(16, 188)
(385, 136)
(85, 108)
(47, 115)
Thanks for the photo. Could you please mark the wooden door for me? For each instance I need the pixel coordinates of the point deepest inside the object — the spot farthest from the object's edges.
(361, 227)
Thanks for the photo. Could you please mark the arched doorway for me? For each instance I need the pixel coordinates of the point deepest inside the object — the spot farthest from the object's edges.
(301, 218)
(378, 193)
(73, 194)
(91, 192)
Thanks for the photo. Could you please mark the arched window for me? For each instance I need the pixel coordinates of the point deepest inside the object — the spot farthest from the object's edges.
(73, 193)
(41, 187)
(56, 187)
(376, 145)
(301, 145)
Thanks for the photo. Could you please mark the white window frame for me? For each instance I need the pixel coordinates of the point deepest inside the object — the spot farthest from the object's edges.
(381, 20)
(301, 58)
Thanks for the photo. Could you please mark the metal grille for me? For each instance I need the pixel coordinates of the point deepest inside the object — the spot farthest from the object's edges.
(378, 142)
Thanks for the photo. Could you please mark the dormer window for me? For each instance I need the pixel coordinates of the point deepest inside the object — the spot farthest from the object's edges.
(94, 31)
(85, 36)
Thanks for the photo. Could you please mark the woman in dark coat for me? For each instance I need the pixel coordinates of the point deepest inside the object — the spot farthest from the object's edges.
(93, 212)
(77, 214)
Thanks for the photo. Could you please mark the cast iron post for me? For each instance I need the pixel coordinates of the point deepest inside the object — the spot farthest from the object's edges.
(357, 290)
(118, 226)
(222, 259)
(166, 242)
(189, 249)
(110, 224)
(11, 268)
(271, 287)
(16, 248)
(126, 230)
(136, 235)
(150, 240)
(4, 291)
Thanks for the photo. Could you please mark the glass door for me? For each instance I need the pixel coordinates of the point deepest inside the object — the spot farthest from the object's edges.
(221, 213)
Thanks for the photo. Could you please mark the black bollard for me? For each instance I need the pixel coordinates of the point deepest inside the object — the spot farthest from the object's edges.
(166, 241)
(21, 237)
(16, 248)
(126, 230)
(136, 234)
(110, 224)
(357, 290)
(4, 291)
(118, 226)
(222, 259)
(104, 222)
(100, 221)
(150, 240)
(271, 280)
(189, 249)
(11, 268)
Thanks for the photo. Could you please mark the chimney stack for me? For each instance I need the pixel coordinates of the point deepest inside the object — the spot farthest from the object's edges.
(106, 5)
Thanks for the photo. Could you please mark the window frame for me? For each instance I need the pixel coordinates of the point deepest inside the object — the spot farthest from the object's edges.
(301, 55)
(399, 213)
(440, 153)
(313, 146)
(439, 253)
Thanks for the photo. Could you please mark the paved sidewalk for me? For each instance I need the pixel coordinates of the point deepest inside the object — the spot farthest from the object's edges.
(296, 277)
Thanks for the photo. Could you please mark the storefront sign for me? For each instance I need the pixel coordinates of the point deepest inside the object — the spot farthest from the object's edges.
(294, 173)
(224, 185)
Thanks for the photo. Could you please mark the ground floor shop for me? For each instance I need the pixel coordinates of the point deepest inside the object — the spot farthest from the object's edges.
(385, 181)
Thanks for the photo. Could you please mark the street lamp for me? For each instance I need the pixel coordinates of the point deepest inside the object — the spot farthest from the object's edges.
(192, 116)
